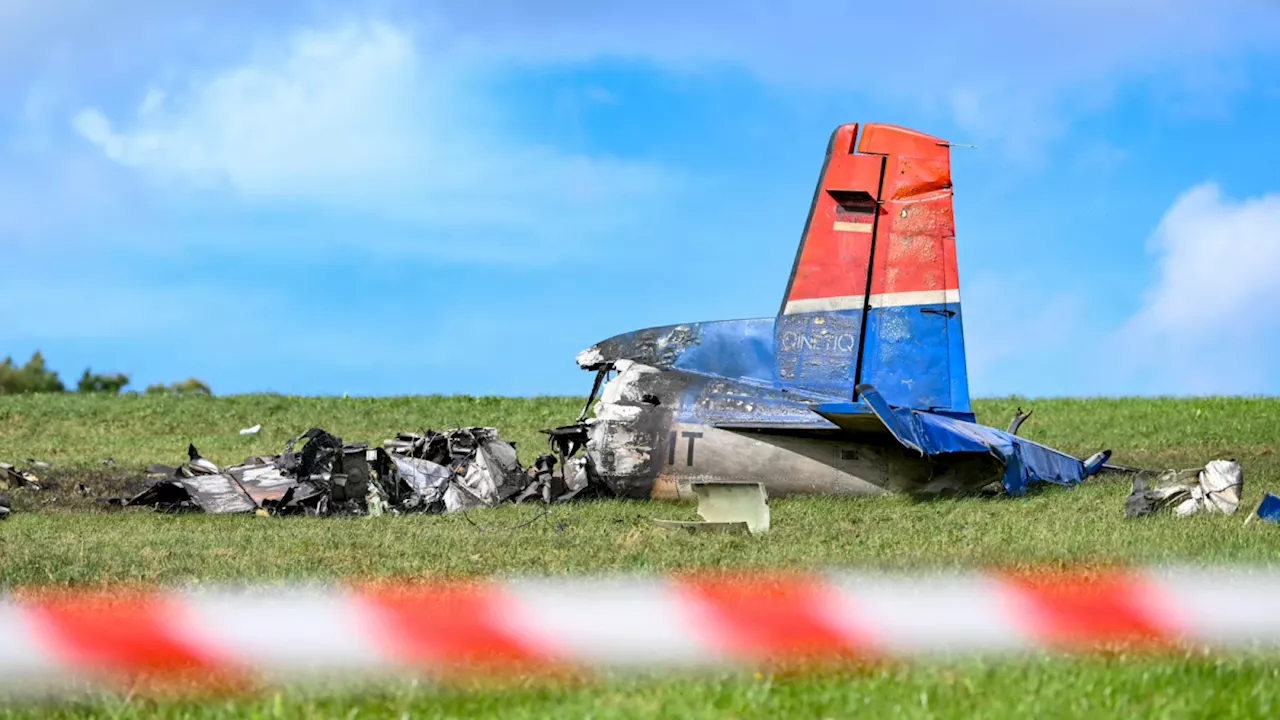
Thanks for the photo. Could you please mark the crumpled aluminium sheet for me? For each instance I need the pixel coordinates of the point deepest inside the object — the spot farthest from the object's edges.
(462, 468)
(1215, 488)
(427, 472)
(427, 480)
(490, 475)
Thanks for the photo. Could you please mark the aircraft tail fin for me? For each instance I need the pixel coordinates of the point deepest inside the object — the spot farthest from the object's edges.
(874, 292)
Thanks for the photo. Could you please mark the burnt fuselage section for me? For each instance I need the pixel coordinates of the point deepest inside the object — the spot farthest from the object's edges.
(656, 431)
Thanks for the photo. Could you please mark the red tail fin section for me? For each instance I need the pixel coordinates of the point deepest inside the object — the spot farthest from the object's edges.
(832, 264)
(916, 249)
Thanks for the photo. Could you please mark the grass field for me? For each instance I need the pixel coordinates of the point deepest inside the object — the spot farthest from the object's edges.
(59, 538)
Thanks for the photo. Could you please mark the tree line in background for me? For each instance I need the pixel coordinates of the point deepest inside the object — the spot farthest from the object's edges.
(34, 377)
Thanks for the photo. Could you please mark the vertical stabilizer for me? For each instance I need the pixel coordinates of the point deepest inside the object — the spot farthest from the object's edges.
(874, 293)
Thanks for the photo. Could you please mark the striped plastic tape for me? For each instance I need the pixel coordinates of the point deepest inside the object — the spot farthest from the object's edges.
(592, 623)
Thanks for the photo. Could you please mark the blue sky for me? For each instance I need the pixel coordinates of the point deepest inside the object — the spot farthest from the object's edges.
(402, 198)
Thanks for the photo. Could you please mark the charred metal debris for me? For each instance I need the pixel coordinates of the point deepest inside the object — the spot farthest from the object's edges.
(320, 474)
(12, 478)
(1214, 488)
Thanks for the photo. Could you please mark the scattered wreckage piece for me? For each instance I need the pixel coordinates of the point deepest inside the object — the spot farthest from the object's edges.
(11, 478)
(1019, 417)
(320, 474)
(1268, 509)
(1214, 488)
(323, 476)
(730, 507)
(467, 467)
(427, 482)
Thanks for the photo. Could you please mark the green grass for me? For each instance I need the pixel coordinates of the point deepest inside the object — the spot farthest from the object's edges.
(1037, 687)
(1054, 527)
(79, 431)
(58, 538)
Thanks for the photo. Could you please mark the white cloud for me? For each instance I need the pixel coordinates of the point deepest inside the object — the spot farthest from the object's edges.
(1011, 71)
(358, 119)
(330, 112)
(1207, 325)
(1006, 73)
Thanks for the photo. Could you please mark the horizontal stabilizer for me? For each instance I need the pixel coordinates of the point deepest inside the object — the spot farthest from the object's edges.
(854, 417)
(1025, 462)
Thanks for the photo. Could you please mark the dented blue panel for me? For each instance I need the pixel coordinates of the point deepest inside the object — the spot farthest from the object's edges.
(818, 351)
(1269, 508)
(731, 349)
(725, 348)
(1025, 462)
(723, 403)
(958, 363)
(908, 356)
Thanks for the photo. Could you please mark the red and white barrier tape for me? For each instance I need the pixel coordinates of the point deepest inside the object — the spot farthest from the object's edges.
(624, 622)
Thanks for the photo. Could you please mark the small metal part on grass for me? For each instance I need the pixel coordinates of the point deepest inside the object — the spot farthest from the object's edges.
(12, 478)
(727, 506)
(1019, 417)
(1215, 488)
(1268, 509)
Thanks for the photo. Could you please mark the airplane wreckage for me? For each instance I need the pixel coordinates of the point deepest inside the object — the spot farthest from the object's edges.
(857, 386)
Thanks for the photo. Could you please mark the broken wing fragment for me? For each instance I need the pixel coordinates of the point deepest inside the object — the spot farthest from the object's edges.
(211, 493)
(217, 494)
(932, 434)
(268, 486)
